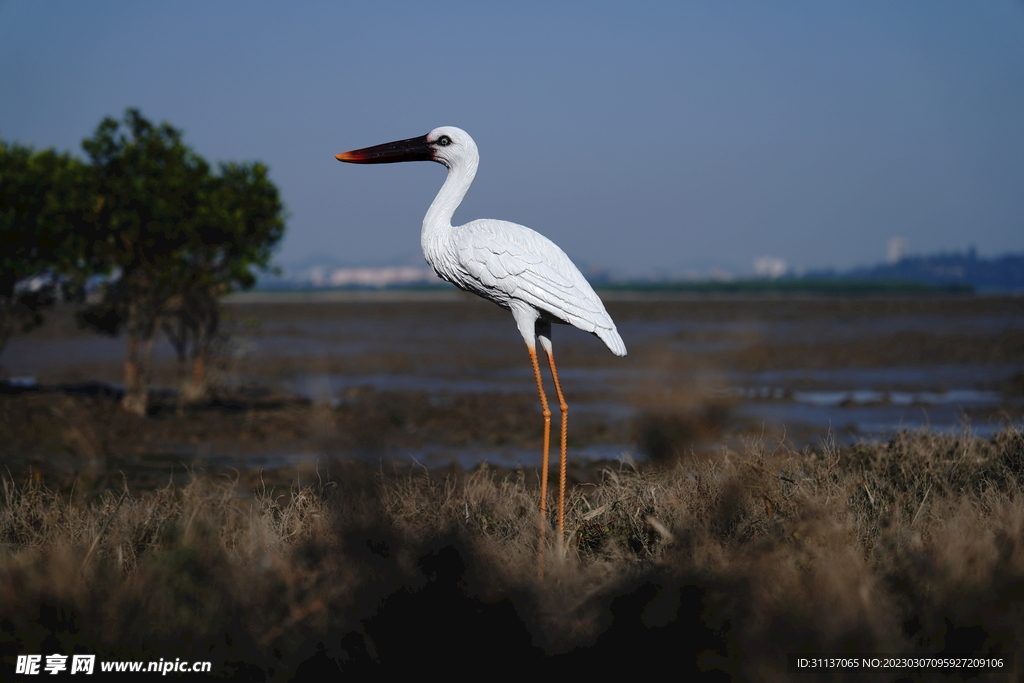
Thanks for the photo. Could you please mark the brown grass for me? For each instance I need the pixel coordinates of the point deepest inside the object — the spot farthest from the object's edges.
(717, 568)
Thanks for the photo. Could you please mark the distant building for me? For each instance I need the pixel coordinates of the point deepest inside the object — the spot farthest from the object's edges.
(388, 276)
(897, 250)
(771, 267)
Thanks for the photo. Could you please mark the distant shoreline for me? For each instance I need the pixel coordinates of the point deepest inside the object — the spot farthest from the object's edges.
(344, 296)
(675, 291)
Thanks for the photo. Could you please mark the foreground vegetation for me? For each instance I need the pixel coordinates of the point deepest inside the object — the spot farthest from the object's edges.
(719, 567)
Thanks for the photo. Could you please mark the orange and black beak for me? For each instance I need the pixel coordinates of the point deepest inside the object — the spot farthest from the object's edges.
(413, 149)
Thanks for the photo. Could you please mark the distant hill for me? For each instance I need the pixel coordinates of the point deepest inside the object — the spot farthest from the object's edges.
(949, 273)
(764, 286)
(999, 274)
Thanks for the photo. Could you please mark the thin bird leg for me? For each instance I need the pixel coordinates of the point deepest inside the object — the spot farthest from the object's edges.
(544, 459)
(562, 456)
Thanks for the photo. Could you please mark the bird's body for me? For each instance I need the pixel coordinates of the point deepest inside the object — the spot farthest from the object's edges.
(524, 272)
(513, 266)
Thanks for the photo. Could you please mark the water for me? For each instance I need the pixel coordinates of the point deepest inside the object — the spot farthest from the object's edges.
(859, 367)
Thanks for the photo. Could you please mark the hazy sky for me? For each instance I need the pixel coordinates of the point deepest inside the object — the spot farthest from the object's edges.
(636, 135)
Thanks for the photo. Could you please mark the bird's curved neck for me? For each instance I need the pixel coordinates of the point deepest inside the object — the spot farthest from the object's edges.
(438, 220)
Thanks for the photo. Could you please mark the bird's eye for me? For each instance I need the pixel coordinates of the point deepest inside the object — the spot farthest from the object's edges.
(444, 141)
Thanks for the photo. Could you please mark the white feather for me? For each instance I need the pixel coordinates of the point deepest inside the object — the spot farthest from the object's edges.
(509, 264)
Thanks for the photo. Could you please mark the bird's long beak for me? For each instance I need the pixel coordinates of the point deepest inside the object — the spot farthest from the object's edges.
(413, 149)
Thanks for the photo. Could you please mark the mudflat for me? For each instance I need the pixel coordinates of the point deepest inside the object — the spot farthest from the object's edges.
(443, 377)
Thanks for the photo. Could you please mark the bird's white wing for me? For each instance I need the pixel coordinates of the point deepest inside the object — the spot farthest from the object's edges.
(504, 261)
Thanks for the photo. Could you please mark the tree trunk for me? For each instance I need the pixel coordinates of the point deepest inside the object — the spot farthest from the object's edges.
(196, 388)
(205, 314)
(6, 320)
(136, 399)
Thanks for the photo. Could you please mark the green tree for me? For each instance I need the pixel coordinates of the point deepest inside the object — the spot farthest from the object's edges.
(45, 214)
(149, 191)
(175, 238)
(244, 222)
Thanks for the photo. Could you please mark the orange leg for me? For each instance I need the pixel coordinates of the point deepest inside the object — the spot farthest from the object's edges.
(562, 456)
(544, 459)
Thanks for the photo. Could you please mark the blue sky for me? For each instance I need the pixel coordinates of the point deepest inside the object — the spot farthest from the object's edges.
(637, 136)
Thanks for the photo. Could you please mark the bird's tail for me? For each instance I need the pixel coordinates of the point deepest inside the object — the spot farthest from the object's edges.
(612, 340)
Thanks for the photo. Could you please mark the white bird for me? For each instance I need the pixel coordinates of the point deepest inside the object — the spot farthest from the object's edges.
(509, 264)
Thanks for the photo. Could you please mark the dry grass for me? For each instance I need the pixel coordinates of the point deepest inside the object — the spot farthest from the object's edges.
(718, 568)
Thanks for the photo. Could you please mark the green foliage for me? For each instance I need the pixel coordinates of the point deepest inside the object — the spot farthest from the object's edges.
(178, 235)
(149, 192)
(43, 205)
(169, 221)
(248, 223)
(171, 235)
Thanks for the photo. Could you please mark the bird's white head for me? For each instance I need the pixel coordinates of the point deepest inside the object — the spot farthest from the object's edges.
(452, 146)
(446, 145)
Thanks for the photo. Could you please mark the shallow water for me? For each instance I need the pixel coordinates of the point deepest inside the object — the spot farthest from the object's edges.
(860, 367)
